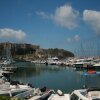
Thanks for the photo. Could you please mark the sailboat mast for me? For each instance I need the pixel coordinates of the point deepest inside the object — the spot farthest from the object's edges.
(8, 50)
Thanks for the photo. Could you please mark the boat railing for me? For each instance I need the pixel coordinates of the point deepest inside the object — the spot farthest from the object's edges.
(93, 89)
(5, 86)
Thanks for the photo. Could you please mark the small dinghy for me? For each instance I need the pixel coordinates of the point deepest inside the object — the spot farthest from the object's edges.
(86, 94)
(59, 96)
(35, 94)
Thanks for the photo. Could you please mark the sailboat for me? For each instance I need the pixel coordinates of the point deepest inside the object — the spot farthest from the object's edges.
(7, 65)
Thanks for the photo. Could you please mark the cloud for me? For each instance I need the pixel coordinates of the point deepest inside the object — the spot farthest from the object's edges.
(69, 40)
(43, 14)
(64, 16)
(76, 38)
(93, 19)
(10, 33)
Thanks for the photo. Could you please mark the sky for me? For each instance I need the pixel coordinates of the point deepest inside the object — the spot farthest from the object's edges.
(73, 25)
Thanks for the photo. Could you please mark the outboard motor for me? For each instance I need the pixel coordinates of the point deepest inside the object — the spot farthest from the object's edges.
(14, 82)
(60, 93)
(43, 89)
(30, 85)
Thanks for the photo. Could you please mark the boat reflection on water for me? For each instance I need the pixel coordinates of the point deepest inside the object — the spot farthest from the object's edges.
(35, 70)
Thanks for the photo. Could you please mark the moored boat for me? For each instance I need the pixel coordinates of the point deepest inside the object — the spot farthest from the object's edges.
(80, 94)
(35, 94)
(11, 90)
(59, 96)
(91, 72)
(9, 68)
(97, 65)
(86, 94)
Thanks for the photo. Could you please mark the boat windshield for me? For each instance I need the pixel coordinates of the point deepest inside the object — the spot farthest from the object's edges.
(84, 93)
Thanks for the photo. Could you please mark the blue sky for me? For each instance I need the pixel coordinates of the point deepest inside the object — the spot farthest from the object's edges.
(72, 25)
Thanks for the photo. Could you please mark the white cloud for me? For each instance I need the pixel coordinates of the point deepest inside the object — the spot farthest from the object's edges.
(43, 14)
(76, 38)
(64, 16)
(93, 19)
(10, 33)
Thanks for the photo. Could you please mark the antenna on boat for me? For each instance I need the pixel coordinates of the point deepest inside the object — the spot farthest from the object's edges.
(84, 86)
(82, 49)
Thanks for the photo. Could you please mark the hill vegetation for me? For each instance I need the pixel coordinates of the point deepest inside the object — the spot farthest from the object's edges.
(29, 51)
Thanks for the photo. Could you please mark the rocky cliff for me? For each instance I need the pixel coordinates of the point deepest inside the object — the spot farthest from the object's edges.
(29, 51)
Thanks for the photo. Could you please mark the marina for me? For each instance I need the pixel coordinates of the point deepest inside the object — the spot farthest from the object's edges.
(49, 49)
(54, 77)
(50, 79)
(51, 82)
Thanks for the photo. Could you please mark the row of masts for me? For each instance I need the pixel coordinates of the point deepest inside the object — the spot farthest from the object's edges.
(7, 61)
(87, 49)
(6, 52)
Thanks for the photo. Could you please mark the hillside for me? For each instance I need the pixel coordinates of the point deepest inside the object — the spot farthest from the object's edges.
(29, 51)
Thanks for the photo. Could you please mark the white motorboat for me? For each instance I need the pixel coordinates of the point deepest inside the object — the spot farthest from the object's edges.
(52, 60)
(5, 62)
(13, 87)
(59, 96)
(81, 94)
(86, 94)
(35, 94)
(97, 65)
(81, 64)
(11, 90)
(8, 68)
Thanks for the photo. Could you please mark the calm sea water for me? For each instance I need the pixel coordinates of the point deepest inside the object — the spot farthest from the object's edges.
(54, 77)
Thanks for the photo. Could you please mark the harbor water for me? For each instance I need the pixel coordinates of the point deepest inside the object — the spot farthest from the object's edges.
(54, 77)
